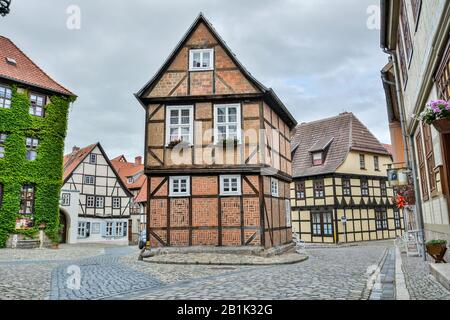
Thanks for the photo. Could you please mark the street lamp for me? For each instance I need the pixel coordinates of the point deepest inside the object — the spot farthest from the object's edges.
(4, 7)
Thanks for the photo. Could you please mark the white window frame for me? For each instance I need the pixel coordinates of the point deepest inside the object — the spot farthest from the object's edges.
(119, 203)
(97, 200)
(108, 225)
(3, 137)
(35, 109)
(179, 126)
(31, 145)
(65, 199)
(87, 179)
(238, 192)
(201, 51)
(180, 194)
(82, 230)
(93, 158)
(274, 182)
(226, 123)
(90, 199)
(288, 212)
(119, 229)
(6, 97)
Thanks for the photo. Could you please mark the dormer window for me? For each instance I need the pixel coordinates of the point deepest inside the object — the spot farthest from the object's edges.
(201, 59)
(317, 158)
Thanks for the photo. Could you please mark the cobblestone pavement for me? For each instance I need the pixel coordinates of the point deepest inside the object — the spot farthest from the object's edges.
(335, 273)
(420, 283)
(329, 273)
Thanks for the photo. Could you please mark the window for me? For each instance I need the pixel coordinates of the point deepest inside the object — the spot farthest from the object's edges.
(300, 190)
(364, 187)
(179, 124)
(429, 155)
(37, 103)
(92, 158)
(31, 145)
(376, 163)
(109, 229)
(130, 180)
(3, 137)
(383, 188)
(442, 76)
(179, 186)
(230, 185)
(227, 122)
(201, 59)
(116, 202)
(381, 219)
(89, 179)
(406, 32)
(397, 221)
(99, 202)
(65, 199)
(322, 224)
(317, 158)
(401, 58)
(90, 201)
(84, 229)
(119, 229)
(319, 189)
(27, 199)
(346, 187)
(274, 187)
(5, 97)
(362, 162)
(287, 205)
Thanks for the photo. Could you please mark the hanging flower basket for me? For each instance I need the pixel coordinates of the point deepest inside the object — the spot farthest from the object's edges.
(442, 125)
(437, 113)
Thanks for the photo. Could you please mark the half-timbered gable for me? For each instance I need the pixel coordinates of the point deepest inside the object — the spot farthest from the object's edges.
(217, 143)
(340, 191)
(103, 200)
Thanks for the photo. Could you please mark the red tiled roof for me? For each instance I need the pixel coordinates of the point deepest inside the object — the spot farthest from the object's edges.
(127, 169)
(25, 70)
(72, 160)
(388, 147)
(338, 135)
(142, 195)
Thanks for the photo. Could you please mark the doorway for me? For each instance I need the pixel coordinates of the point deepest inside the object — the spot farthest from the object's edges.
(63, 227)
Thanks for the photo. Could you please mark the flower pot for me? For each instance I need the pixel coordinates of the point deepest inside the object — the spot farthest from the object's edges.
(442, 125)
(437, 251)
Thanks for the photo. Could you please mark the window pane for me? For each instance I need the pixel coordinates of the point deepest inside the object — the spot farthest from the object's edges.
(206, 59)
(221, 115)
(196, 58)
(232, 114)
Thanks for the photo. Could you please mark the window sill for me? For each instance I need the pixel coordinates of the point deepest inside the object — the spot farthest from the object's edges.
(200, 69)
(231, 194)
(179, 195)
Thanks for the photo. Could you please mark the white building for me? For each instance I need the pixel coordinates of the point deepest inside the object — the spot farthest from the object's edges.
(95, 204)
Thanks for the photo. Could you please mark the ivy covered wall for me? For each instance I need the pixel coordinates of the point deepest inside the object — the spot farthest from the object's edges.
(45, 173)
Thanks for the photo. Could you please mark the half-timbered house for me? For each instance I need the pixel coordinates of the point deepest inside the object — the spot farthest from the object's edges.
(217, 152)
(95, 203)
(340, 191)
(132, 175)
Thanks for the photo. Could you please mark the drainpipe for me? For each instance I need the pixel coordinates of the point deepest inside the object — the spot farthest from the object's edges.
(410, 163)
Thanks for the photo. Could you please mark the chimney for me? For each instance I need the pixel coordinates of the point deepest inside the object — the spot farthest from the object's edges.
(138, 160)
(75, 149)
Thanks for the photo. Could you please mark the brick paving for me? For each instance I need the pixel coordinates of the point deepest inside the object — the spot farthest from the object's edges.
(329, 273)
(420, 283)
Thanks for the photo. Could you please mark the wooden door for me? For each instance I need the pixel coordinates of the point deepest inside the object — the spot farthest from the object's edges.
(130, 230)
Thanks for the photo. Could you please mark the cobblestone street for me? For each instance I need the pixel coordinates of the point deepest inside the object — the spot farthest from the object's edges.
(329, 273)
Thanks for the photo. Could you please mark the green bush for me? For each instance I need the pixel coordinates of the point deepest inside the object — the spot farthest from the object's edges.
(436, 242)
(45, 173)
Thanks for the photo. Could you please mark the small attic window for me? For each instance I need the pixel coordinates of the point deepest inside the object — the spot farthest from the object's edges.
(11, 61)
(201, 59)
(317, 158)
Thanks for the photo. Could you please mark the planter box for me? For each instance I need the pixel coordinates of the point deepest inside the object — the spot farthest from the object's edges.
(437, 251)
(442, 125)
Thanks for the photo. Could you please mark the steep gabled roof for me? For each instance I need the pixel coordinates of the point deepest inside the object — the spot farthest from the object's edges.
(338, 135)
(128, 169)
(73, 160)
(273, 99)
(24, 70)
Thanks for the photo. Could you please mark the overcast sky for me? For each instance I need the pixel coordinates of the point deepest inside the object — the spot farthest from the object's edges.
(318, 55)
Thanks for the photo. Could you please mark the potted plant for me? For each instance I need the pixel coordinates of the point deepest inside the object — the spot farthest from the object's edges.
(437, 249)
(437, 113)
(227, 142)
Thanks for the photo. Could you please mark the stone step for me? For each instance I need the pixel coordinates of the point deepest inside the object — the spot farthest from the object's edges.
(27, 244)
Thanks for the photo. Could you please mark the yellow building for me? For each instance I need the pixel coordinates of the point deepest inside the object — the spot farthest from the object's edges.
(340, 191)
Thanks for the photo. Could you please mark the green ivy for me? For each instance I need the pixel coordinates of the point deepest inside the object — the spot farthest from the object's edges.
(45, 173)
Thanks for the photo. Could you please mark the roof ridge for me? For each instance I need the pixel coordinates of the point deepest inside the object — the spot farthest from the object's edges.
(39, 68)
(323, 120)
